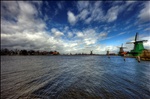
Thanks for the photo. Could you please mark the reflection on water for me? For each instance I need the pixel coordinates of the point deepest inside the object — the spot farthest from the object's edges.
(74, 77)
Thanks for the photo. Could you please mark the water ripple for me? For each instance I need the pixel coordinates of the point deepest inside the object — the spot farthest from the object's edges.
(74, 77)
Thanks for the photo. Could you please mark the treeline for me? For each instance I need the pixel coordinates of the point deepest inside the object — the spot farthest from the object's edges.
(27, 52)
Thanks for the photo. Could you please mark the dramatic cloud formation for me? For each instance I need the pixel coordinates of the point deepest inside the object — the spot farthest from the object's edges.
(72, 27)
(112, 13)
(144, 15)
(94, 11)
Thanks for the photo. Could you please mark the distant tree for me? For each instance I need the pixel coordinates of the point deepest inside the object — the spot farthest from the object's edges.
(31, 52)
(24, 52)
(6, 51)
(37, 52)
(2, 52)
(11, 52)
(51, 52)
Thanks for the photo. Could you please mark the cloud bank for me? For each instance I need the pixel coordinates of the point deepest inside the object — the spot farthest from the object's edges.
(25, 26)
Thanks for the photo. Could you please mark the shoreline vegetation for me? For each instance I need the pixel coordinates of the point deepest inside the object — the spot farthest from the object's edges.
(27, 52)
(24, 52)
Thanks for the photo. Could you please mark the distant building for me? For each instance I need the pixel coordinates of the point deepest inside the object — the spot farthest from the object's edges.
(55, 53)
(91, 53)
(107, 53)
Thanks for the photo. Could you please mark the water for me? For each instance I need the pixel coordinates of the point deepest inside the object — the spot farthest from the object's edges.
(74, 77)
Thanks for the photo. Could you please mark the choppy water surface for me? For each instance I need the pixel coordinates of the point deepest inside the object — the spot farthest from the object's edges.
(77, 77)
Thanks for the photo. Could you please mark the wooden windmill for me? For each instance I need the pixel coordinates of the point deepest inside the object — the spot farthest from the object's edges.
(107, 51)
(91, 53)
(121, 51)
(138, 46)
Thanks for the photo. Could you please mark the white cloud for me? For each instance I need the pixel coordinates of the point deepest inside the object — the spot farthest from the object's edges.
(112, 49)
(89, 41)
(88, 20)
(70, 34)
(129, 5)
(56, 32)
(93, 11)
(9, 8)
(121, 33)
(80, 34)
(66, 28)
(23, 21)
(46, 18)
(147, 29)
(59, 5)
(71, 18)
(25, 40)
(27, 32)
(82, 4)
(27, 8)
(112, 13)
(144, 15)
(90, 37)
(89, 11)
(146, 44)
(103, 35)
(83, 14)
(130, 2)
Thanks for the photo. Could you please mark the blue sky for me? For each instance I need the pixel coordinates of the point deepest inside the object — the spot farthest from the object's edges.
(73, 26)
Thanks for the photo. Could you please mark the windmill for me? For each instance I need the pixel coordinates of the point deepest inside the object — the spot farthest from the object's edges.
(107, 53)
(121, 51)
(91, 52)
(138, 46)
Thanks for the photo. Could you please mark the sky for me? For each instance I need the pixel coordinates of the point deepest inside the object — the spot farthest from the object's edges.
(74, 26)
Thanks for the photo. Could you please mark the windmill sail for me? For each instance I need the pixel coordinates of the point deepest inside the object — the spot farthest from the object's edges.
(142, 41)
(136, 37)
(129, 42)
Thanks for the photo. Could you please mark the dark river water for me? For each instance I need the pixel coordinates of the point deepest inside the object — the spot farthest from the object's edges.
(74, 77)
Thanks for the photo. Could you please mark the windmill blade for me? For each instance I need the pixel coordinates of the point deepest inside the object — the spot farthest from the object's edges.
(118, 46)
(145, 40)
(142, 41)
(129, 42)
(136, 37)
(121, 45)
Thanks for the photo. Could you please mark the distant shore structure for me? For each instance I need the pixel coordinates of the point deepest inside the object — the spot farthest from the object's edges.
(107, 52)
(121, 51)
(91, 53)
